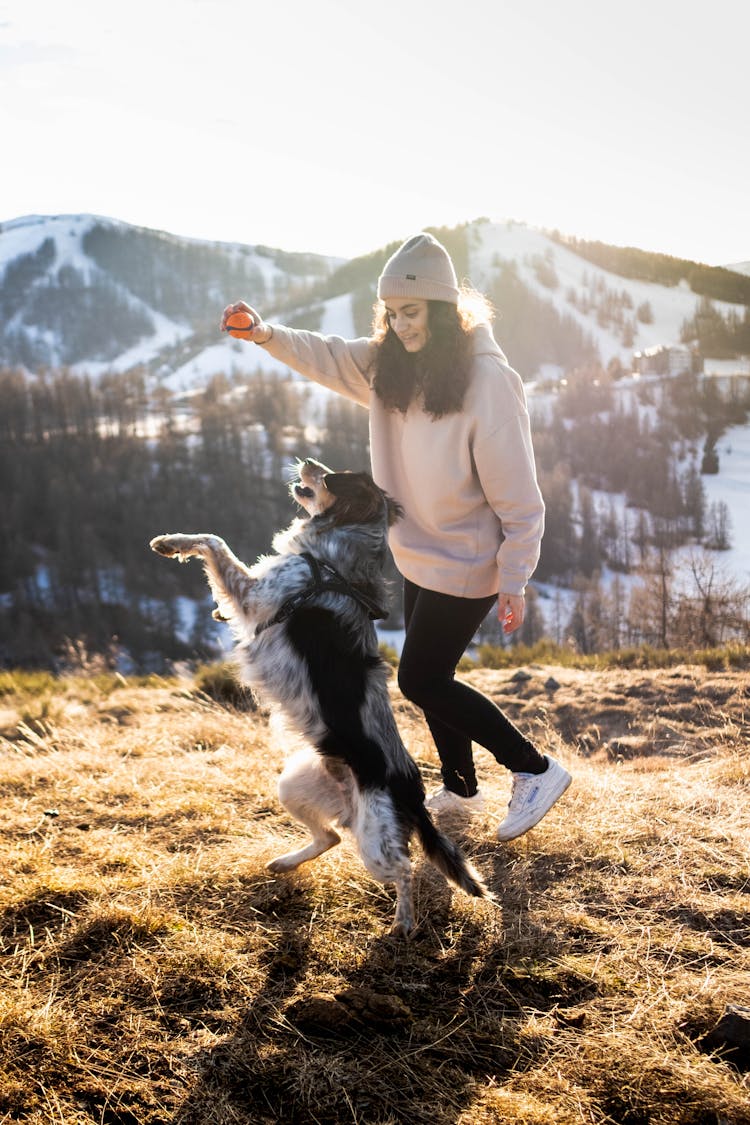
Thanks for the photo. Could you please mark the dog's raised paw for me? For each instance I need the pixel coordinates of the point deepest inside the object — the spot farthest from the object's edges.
(161, 546)
(170, 545)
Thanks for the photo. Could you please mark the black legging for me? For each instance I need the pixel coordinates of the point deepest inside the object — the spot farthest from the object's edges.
(439, 627)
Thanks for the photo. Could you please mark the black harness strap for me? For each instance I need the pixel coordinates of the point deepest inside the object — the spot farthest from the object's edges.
(325, 579)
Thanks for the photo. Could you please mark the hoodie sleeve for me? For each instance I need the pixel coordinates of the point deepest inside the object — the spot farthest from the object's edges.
(504, 459)
(341, 365)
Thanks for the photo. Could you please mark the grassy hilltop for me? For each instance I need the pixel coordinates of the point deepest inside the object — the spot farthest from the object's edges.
(152, 971)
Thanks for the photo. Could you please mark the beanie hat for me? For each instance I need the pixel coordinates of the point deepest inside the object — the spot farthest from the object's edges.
(420, 268)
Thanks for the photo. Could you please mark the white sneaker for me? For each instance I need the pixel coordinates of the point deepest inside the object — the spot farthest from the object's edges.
(445, 800)
(532, 796)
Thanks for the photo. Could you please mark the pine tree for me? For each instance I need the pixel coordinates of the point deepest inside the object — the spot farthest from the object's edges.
(718, 527)
(694, 494)
(589, 551)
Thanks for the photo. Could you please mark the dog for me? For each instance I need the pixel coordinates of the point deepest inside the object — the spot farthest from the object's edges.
(303, 619)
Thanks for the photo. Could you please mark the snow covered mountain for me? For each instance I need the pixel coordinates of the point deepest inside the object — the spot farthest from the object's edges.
(592, 296)
(97, 295)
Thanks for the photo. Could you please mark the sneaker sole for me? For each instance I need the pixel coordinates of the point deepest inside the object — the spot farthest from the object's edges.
(538, 813)
(453, 810)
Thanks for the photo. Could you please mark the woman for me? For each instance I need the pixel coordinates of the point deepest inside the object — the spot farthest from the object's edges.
(450, 439)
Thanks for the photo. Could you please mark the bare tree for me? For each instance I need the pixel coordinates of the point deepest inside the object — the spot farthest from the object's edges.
(648, 618)
(712, 608)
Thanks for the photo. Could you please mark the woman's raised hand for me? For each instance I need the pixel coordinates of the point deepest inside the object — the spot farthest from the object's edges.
(244, 323)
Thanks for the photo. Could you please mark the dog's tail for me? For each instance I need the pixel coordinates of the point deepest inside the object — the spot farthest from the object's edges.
(447, 856)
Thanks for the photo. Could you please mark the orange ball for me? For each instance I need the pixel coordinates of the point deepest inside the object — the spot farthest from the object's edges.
(239, 324)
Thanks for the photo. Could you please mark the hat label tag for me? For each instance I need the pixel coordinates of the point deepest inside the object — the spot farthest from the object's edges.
(411, 277)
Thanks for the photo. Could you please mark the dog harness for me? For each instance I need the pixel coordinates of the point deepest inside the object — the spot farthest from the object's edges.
(324, 579)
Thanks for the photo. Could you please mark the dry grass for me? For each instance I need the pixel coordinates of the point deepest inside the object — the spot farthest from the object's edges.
(153, 972)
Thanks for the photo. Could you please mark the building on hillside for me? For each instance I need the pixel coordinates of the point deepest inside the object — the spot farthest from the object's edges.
(730, 377)
(664, 359)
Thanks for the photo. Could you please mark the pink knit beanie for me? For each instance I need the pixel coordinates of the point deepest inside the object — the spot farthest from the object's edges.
(419, 268)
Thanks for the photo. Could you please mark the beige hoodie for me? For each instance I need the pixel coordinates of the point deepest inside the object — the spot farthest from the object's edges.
(474, 513)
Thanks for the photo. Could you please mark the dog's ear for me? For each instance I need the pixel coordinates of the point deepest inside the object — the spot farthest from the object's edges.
(359, 500)
(395, 510)
(339, 484)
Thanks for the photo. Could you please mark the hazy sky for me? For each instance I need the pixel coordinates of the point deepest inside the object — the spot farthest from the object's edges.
(337, 126)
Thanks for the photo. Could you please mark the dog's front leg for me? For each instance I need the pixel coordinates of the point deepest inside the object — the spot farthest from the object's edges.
(229, 579)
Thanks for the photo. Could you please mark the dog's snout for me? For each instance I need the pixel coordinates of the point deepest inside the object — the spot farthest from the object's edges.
(311, 470)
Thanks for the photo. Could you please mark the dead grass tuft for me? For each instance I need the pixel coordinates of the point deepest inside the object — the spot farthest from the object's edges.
(152, 971)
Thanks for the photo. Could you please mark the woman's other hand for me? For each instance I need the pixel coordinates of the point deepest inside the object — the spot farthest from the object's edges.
(510, 611)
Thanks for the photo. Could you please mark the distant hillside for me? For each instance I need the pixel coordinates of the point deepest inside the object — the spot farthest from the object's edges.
(77, 290)
(719, 282)
(97, 295)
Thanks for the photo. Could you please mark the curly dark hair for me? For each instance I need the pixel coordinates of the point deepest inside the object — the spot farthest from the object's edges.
(440, 371)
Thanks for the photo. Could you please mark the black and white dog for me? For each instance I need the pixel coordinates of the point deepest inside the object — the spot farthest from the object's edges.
(303, 619)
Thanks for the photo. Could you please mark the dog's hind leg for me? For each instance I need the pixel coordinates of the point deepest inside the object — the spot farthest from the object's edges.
(313, 797)
(403, 923)
(385, 853)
